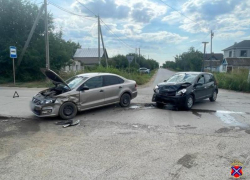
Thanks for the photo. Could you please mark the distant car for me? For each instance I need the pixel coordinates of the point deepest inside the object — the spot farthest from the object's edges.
(185, 88)
(144, 70)
(82, 92)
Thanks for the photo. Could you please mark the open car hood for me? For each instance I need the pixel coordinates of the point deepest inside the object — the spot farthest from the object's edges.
(55, 78)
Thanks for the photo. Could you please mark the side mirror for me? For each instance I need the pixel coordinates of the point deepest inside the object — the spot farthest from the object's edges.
(198, 84)
(165, 80)
(84, 88)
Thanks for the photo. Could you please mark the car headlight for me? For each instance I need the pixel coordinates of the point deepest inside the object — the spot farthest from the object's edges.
(47, 101)
(156, 89)
(181, 92)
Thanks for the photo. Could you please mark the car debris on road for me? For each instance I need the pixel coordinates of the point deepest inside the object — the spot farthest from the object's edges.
(68, 123)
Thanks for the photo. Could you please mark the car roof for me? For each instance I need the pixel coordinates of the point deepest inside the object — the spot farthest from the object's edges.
(96, 74)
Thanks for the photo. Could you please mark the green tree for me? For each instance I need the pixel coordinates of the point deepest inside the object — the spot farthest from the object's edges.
(187, 61)
(16, 19)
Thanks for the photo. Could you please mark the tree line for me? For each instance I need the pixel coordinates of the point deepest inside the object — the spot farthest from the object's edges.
(187, 61)
(121, 62)
(16, 19)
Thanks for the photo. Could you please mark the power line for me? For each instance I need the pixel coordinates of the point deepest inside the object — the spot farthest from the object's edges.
(65, 10)
(179, 12)
(86, 8)
(107, 27)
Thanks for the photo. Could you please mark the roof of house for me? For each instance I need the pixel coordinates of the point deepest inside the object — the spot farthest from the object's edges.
(217, 56)
(88, 52)
(238, 61)
(242, 44)
(214, 63)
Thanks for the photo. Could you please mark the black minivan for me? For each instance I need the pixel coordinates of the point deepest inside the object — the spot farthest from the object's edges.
(185, 88)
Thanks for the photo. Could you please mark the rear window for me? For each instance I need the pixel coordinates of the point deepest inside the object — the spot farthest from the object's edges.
(112, 80)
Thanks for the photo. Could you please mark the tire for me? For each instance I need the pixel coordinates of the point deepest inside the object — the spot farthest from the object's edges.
(68, 110)
(189, 102)
(213, 97)
(125, 100)
(159, 105)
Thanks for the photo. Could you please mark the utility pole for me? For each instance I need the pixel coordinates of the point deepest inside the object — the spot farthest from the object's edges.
(135, 54)
(202, 67)
(104, 51)
(30, 35)
(212, 35)
(46, 35)
(99, 56)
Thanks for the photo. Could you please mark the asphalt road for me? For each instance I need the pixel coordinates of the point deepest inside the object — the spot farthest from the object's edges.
(139, 142)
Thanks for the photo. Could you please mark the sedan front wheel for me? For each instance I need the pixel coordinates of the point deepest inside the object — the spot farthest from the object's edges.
(68, 110)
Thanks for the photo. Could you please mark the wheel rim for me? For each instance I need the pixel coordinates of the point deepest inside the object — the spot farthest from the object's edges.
(190, 102)
(125, 100)
(214, 95)
(68, 110)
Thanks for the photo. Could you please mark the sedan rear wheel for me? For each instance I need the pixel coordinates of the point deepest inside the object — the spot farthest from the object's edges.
(68, 110)
(125, 100)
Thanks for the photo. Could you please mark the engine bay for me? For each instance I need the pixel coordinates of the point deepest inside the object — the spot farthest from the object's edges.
(51, 92)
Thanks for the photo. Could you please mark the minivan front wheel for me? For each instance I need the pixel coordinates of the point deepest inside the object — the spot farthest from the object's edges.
(125, 100)
(189, 102)
(213, 97)
(68, 110)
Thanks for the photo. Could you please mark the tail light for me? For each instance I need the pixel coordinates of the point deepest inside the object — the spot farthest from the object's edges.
(135, 85)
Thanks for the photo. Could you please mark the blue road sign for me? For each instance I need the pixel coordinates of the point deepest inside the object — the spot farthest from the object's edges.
(13, 53)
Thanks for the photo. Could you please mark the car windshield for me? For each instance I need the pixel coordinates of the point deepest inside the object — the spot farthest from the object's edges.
(182, 78)
(75, 81)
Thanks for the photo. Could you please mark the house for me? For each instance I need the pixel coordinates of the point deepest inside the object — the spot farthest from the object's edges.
(232, 64)
(213, 62)
(89, 56)
(238, 50)
(73, 66)
(236, 57)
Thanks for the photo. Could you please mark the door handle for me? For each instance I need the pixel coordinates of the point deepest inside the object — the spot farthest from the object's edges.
(101, 90)
(120, 87)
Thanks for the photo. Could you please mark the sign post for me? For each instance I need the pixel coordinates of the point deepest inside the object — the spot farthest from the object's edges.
(13, 55)
(130, 59)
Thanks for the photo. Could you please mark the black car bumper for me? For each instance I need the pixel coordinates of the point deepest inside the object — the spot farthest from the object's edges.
(174, 100)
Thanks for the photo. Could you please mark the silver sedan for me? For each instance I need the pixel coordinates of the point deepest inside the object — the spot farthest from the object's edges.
(82, 92)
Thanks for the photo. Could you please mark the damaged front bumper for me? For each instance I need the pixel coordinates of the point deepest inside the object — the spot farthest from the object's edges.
(174, 100)
(48, 110)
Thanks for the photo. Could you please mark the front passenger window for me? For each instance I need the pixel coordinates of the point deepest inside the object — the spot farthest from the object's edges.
(95, 82)
(201, 80)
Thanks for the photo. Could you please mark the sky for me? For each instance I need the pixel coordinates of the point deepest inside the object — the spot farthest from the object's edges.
(161, 29)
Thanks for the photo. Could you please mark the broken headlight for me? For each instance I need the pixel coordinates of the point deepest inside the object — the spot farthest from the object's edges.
(156, 89)
(181, 92)
(47, 101)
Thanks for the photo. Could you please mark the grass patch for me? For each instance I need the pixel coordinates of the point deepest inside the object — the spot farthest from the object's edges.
(236, 81)
(134, 75)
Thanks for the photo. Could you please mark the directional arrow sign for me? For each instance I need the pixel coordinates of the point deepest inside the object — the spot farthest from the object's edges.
(13, 53)
(130, 58)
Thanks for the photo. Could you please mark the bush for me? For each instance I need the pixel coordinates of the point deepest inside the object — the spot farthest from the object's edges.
(233, 81)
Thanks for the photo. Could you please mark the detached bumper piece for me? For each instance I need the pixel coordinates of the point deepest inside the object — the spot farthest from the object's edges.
(174, 100)
(68, 123)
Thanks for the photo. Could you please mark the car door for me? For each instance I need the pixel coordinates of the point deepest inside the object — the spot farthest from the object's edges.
(94, 96)
(113, 86)
(209, 87)
(199, 90)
